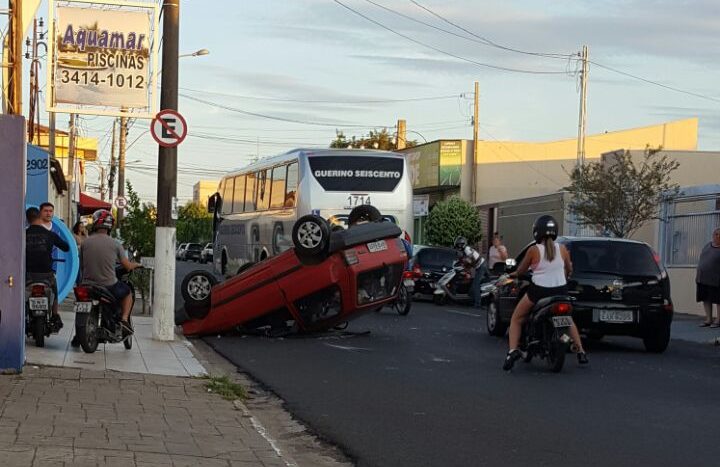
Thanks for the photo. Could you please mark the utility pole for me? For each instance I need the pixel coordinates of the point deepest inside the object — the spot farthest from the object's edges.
(476, 142)
(113, 164)
(15, 41)
(401, 140)
(121, 163)
(583, 107)
(70, 176)
(164, 293)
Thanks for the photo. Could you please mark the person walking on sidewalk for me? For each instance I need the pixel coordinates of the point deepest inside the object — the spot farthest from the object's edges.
(39, 245)
(707, 279)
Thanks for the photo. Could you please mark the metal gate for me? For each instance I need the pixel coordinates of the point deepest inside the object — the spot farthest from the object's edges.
(690, 221)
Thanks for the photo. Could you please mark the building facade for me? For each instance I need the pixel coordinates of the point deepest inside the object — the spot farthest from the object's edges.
(202, 190)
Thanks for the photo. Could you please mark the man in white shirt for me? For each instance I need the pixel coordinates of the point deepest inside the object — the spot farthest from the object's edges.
(498, 253)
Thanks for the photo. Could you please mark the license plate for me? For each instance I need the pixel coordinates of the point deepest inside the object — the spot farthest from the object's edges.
(38, 303)
(562, 321)
(409, 282)
(374, 247)
(616, 316)
(83, 307)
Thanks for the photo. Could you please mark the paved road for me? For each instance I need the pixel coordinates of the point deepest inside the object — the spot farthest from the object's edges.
(427, 389)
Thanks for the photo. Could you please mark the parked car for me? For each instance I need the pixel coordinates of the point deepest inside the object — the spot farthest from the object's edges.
(180, 250)
(192, 252)
(428, 265)
(324, 281)
(620, 288)
(206, 255)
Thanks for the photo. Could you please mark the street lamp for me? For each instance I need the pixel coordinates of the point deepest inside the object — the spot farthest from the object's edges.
(197, 53)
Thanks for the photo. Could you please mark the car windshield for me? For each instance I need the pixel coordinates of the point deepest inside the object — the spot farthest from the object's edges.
(194, 246)
(613, 257)
(436, 257)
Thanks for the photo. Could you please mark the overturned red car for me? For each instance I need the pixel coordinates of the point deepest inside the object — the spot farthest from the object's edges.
(328, 278)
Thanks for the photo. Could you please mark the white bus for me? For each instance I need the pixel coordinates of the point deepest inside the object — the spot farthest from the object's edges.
(255, 207)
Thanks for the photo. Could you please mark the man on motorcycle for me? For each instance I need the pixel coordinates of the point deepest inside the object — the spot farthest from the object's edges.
(39, 244)
(474, 262)
(99, 254)
(551, 266)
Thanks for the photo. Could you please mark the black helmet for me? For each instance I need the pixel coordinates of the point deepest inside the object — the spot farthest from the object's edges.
(460, 243)
(103, 219)
(545, 226)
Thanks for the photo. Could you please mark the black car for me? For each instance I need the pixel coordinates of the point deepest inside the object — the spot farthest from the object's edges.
(619, 286)
(429, 265)
(192, 252)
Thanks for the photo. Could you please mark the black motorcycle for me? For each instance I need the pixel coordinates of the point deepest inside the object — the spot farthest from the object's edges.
(39, 300)
(546, 332)
(98, 315)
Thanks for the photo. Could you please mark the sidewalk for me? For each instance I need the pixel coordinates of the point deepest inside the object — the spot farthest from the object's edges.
(687, 327)
(77, 417)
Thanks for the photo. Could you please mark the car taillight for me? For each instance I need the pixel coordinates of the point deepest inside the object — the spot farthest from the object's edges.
(561, 308)
(417, 272)
(407, 275)
(657, 259)
(668, 306)
(350, 257)
(37, 290)
(82, 294)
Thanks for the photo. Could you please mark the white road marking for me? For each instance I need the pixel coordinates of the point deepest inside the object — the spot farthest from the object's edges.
(347, 347)
(458, 312)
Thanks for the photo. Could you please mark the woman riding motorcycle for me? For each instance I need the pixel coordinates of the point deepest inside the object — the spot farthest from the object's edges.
(551, 266)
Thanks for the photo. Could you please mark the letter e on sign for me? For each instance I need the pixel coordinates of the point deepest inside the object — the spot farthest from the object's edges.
(168, 128)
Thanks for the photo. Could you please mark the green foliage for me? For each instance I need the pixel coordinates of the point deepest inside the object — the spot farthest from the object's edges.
(138, 225)
(227, 389)
(381, 140)
(194, 224)
(451, 218)
(619, 196)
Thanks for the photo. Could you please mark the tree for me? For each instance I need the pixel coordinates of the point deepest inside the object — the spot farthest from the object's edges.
(450, 219)
(194, 224)
(374, 140)
(620, 196)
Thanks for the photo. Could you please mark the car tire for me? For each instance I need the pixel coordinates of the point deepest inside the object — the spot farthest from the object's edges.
(657, 339)
(365, 212)
(197, 312)
(311, 235)
(493, 322)
(196, 289)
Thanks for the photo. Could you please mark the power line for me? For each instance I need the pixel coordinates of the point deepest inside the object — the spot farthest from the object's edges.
(444, 52)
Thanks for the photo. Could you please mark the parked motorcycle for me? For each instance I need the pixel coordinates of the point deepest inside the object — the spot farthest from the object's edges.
(39, 299)
(456, 285)
(98, 314)
(546, 332)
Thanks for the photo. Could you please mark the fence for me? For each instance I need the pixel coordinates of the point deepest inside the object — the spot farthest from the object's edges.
(690, 220)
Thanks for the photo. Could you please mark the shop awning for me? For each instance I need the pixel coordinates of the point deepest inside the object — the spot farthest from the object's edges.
(89, 205)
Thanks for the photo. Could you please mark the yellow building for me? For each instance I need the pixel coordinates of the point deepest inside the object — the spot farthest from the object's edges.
(203, 189)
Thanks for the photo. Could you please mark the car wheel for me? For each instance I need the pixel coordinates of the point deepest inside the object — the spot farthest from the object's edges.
(196, 312)
(310, 236)
(196, 289)
(657, 339)
(365, 213)
(493, 322)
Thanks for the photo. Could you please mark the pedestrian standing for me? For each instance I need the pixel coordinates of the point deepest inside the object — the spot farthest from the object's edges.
(80, 233)
(707, 279)
(498, 253)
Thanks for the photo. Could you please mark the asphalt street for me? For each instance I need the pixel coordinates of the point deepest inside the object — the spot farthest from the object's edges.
(427, 389)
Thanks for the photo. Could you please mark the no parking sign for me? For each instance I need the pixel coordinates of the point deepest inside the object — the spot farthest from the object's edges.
(168, 128)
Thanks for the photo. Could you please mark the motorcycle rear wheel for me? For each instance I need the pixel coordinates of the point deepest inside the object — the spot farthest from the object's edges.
(557, 349)
(87, 332)
(38, 331)
(403, 303)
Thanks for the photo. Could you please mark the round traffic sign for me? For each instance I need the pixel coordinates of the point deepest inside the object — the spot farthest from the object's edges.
(121, 202)
(168, 128)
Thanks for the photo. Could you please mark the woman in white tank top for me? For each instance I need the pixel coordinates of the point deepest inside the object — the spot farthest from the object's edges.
(551, 266)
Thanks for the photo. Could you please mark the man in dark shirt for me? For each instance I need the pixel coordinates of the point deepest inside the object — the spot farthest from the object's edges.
(39, 243)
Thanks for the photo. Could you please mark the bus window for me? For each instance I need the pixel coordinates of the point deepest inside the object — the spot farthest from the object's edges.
(227, 196)
(291, 185)
(250, 192)
(239, 196)
(263, 191)
(277, 194)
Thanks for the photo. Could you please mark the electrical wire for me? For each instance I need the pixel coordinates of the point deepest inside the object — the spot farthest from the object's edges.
(444, 52)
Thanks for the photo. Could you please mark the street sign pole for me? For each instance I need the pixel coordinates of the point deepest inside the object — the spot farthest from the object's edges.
(164, 293)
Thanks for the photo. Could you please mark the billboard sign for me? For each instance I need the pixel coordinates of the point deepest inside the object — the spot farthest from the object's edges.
(103, 60)
(423, 163)
(451, 159)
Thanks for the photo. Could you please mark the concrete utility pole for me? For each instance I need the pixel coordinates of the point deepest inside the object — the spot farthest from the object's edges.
(113, 164)
(15, 40)
(164, 293)
(121, 162)
(401, 141)
(583, 107)
(70, 176)
(476, 142)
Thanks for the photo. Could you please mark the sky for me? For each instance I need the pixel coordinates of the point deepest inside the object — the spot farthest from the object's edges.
(315, 66)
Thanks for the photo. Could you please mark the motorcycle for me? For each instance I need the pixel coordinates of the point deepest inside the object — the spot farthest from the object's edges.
(38, 305)
(456, 285)
(98, 314)
(546, 332)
